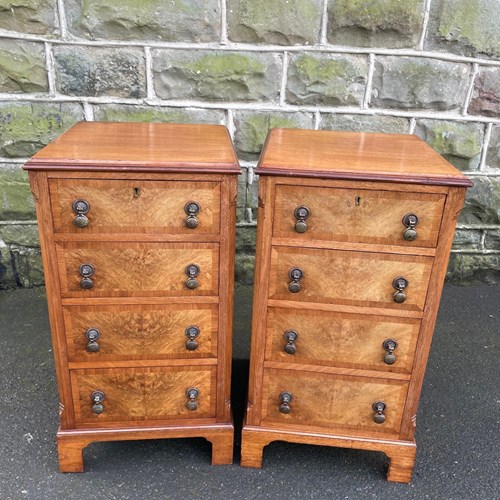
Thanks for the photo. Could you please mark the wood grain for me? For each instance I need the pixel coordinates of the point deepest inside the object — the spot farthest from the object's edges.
(351, 278)
(353, 155)
(143, 394)
(357, 215)
(138, 269)
(130, 206)
(333, 401)
(147, 332)
(343, 340)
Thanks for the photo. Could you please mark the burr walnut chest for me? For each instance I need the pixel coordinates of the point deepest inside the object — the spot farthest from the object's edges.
(137, 226)
(354, 234)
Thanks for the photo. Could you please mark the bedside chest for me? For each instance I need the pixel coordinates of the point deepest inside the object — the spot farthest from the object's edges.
(354, 234)
(137, 228)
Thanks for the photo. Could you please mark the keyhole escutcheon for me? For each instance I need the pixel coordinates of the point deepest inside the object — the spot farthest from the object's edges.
(358, 201)
(137, 192)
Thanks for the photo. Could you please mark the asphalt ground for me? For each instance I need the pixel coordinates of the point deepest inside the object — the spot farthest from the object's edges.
(458, 431)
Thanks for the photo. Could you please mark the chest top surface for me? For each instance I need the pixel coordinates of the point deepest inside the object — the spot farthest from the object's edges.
(355, 155)
(153, 147)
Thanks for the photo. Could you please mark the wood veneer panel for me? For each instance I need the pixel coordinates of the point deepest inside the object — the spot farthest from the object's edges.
(357, 215)
(351, 278)
(138, 269)
(342, 340)
(144, 332)
(131, 206)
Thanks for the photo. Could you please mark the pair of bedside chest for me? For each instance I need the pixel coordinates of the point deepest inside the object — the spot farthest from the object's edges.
(137, 225)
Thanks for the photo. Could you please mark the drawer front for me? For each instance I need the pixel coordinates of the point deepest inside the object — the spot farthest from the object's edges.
(334, 401)
(127, 332)
(137, 269)
(358, 215)
(135, 206)
(350, 278)
(143, 394)
(345, 340)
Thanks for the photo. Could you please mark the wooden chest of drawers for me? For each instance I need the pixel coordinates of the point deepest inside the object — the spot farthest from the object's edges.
(354, 234)
(137, 227)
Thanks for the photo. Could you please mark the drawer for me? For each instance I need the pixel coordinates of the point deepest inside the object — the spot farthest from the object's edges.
(333, 401)
(337, 339)
(357, 215)
(143, 394)
(137, 269)
(350, 278)
(135, 206)
(134, 332)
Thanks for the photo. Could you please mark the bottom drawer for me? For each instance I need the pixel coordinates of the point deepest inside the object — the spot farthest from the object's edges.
(142, 394)
(334, 401)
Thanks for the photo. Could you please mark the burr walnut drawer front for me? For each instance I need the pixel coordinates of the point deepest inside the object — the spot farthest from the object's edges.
(134, 332)
(358, 215)
(350, 278)
(143, 394)
(117, 269)
(91, 206)
(334, 401)
(361, 341)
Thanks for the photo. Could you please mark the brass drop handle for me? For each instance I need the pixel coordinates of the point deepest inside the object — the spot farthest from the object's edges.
(285, 399)
(191, 272)
(390, 346)
(295, 274)
(301, 213)
(410, 221)
(191, 333)
(92, 335)
(81, 208)
(192, 394)
(379, 407)
(97, 397)
(291, 336)
(400, 285)
(86, 272)
(192, 209)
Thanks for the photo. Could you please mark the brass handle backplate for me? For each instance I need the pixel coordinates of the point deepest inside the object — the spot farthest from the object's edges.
(92, 335)
(191, 333)
(97, 397)
(86, 272)
(285, 399)
(291, 336)
(295, 274)
(192, 394)
(400, 285)
(191, 272)
(301, 213)
(192, 209)
(81, 209)
(410, 221)
(379, 407)
(390, 346)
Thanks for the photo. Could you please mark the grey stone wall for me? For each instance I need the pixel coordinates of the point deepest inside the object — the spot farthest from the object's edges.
(425, 67)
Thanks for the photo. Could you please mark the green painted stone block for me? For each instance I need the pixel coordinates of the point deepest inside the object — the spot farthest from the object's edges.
(332, 80)
(28, 16)
(28, 266)
(27, 127)
(16, 200)
(22, 67)
(7, 274)
(282, 22)
(245, 240)
(467, 269)
(493, 154)
(492, 239)
(216, 76)
(25, 235)
(482, 202)
(365, 123)
(467, 239)
(382, 23)
(466, 27)
(459, 142)
(244, 269)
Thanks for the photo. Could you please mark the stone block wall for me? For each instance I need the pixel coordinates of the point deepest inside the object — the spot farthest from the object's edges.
(425, 67)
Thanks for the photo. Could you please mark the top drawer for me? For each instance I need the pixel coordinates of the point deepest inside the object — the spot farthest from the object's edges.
(135, 206)
(357, 215)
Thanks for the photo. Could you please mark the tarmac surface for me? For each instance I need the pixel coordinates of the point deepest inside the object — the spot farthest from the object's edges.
(457, 431)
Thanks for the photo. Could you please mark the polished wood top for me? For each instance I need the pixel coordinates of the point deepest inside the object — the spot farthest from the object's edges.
(158, 147)
(354, 155)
